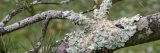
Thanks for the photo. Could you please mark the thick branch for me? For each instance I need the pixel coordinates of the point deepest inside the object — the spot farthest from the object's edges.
(101, 32)
(149, 28)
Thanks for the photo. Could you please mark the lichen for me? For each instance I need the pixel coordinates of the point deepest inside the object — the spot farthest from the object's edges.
(101, 33)
(103, 10)
(76, 18)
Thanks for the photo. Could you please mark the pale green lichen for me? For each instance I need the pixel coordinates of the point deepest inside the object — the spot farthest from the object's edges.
(102, 33)
(99, 32)
(103, 10)
(76, 18)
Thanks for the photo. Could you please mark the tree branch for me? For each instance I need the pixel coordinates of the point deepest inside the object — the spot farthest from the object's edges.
(115, 1)
(99, 34)
(148, 30)
(8, 17)
(31, 20)
(43, 33)
(90, 10)
(41, 16)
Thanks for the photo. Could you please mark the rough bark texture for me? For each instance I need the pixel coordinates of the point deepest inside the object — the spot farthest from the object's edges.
(150, 28)
(30, 20)
(147, 31)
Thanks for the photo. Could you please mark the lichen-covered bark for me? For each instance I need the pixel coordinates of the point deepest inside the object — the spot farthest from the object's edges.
(18, 10)
(30, 20)
(148, 30)
(98, 34)
(101, 33)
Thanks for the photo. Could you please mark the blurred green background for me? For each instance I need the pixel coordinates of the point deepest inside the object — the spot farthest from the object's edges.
(25, 39)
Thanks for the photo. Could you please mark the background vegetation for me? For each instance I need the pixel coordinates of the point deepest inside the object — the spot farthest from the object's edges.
(25, 39)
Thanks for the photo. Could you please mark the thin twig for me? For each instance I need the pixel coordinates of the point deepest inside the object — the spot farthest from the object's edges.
(8, 17)
(87, 11)
(33, 19)
(43, 33)
(90, 10)
(56, 3)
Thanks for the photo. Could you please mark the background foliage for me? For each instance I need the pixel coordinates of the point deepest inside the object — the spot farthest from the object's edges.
(25, 39)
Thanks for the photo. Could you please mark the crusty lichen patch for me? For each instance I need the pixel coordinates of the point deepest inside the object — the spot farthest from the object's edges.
(103, 10)
(101, 33)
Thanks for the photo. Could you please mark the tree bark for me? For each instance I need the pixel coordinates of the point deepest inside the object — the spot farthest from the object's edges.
(147, 31)
(149, 28)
